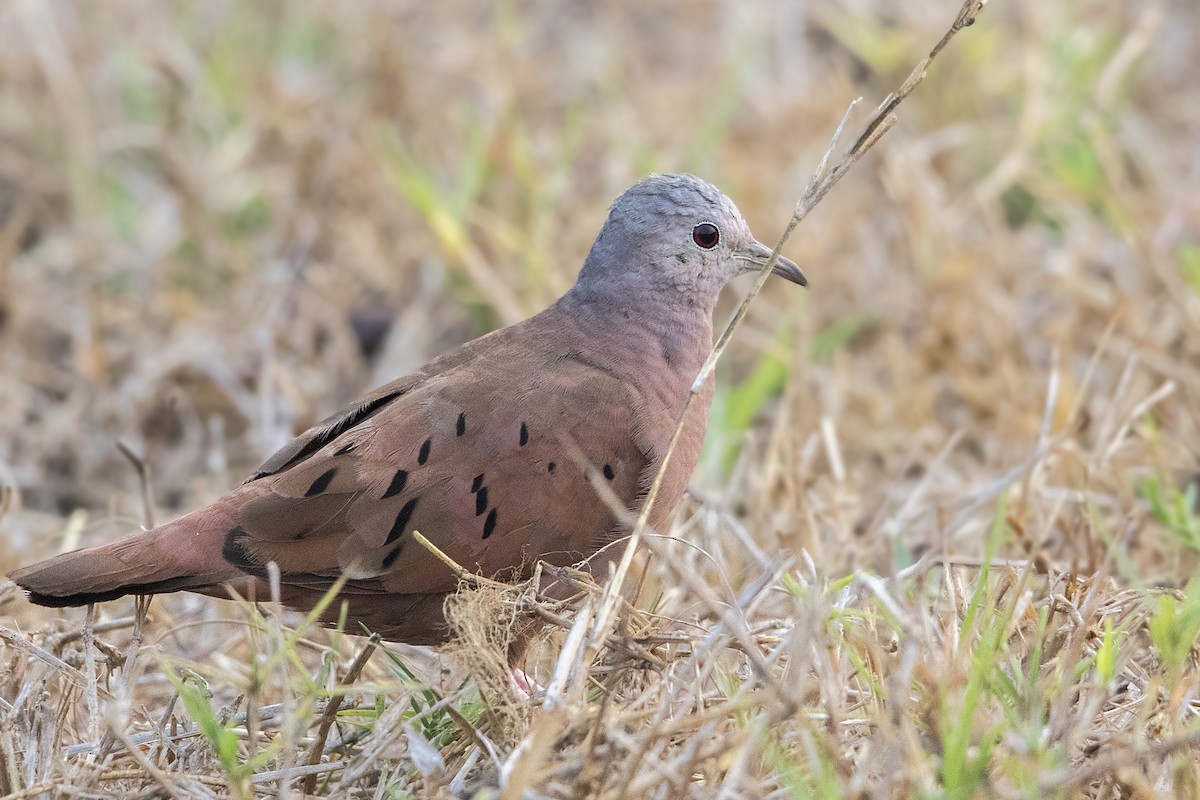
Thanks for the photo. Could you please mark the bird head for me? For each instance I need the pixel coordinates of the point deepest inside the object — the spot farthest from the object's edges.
(677, 232)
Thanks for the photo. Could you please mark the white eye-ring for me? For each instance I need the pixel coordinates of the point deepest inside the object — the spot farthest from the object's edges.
(706, 235)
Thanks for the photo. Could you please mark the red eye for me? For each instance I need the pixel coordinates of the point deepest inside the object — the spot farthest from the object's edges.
(706, 235)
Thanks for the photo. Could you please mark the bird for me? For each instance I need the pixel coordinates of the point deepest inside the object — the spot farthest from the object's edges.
(485, 451)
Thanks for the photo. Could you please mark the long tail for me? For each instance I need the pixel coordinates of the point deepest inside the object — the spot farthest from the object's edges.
(181, 555)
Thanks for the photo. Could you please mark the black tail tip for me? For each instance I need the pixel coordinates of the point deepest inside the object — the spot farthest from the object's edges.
(87, 598)
(39, 598)
(50, 601)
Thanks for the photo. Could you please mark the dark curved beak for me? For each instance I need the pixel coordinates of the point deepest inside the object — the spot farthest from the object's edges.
(755, 254)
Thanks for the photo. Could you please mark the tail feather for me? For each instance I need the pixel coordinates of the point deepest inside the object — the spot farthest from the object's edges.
(181, 555)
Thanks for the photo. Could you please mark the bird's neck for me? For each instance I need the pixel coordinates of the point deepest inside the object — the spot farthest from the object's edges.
(644, 327)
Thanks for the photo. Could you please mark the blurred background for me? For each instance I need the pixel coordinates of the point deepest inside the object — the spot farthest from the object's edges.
(221, 221)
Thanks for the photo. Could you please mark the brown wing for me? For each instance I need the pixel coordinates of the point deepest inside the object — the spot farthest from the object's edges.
(480, 454)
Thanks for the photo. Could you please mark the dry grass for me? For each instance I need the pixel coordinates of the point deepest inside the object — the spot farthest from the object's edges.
(941, 541)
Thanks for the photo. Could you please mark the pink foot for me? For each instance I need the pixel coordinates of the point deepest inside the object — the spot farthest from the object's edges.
(521, 686)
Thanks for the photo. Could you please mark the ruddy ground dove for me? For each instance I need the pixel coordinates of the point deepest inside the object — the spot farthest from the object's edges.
(484, 450)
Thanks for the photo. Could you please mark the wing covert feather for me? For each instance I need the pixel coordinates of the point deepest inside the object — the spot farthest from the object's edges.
(486, 465)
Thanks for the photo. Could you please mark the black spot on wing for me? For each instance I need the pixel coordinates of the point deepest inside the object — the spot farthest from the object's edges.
(477, 483)
(489, 524)
(423, 456)
(234, 551)
(401, 523)
(551, 467)
(397, 484)
(460, 427)
(608, 471)
(481, 503)
(524, 434)
(391, 557)
(321, 483)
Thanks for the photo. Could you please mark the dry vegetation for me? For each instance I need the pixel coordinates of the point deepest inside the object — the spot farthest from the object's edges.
(941, 541)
